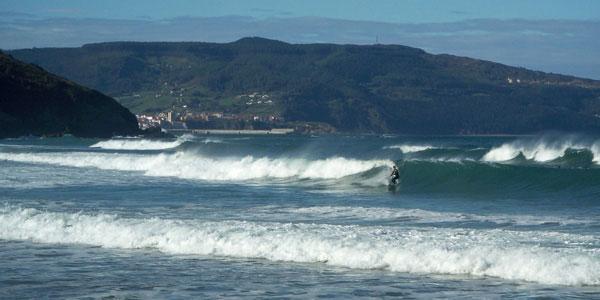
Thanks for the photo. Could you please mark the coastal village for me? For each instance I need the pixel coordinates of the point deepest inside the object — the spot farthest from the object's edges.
(183, 117)
(196, 120)
(227, 123)
(259, 117)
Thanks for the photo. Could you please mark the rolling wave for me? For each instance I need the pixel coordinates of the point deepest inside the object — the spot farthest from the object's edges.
(541, 150)
(140, 144)
(212, 141)
(565, 165)
(189, 165)
(493, 252)
(421, 216)
(481, 178)
(568, 151)
(410, 148)
(439, 175)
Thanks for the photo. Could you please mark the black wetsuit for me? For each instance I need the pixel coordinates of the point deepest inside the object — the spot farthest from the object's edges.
(395, 175)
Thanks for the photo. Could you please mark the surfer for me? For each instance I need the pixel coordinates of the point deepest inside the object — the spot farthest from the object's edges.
(395, 175)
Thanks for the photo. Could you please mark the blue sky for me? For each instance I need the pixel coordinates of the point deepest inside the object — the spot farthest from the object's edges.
(402, 11)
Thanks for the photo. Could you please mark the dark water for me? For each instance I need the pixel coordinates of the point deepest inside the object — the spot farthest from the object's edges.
(306, 217)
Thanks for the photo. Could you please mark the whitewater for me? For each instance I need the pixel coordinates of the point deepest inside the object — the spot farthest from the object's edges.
(300, 216)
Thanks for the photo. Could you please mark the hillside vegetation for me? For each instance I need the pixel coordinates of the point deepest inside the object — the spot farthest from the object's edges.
(35, 102)
(376, 88)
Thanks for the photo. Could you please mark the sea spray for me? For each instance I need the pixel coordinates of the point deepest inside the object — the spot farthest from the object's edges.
(543, 149)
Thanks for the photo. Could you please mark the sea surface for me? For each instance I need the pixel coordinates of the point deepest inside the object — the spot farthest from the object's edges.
(300, 217)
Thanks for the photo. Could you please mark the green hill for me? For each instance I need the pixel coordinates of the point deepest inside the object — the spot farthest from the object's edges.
(35, 102)
(376, 88)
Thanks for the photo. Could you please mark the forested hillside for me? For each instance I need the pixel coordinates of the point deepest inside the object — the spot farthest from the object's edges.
(35, 102)
(377, 88)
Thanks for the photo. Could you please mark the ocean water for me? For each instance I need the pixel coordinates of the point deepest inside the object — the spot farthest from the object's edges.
(300, 217)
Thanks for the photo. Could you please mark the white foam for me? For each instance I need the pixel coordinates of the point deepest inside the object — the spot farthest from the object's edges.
(421, 216)
(595, 148)
(138, 144)
(194, 166)
(541, 150)
(212, 141)
(407, 148)
(514, 255)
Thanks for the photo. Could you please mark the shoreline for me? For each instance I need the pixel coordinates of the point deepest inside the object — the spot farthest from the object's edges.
(276, 131)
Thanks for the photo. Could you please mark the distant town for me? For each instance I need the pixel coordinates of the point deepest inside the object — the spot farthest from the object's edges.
(227, 123)
(207, 120)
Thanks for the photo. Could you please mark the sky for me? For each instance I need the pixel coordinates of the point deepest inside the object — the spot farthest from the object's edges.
(402, 11)
(548, 35)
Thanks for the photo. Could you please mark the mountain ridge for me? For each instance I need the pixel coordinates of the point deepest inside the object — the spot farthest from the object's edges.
(357, 88)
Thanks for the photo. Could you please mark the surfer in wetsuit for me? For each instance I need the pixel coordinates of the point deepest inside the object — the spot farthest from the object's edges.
(395, 175)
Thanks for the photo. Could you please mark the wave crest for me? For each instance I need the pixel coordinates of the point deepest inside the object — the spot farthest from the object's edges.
(194, 166)
(140, 144)
(541, 150)
(499, 253)
(423, 216)
(406, 148)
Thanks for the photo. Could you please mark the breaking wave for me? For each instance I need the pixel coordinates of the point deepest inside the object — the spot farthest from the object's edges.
(481, 178)
(421, 216)
(411, 148)
(195, 166)
(212, 141)
(565, 150)
(541, 150)
(140, 144)
(499, 253)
